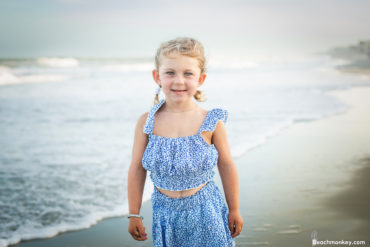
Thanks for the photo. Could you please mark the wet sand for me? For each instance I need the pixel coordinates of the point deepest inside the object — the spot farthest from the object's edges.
(353, 202)
(311, 177)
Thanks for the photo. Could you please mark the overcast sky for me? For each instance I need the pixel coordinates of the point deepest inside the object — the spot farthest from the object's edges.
(120, 28)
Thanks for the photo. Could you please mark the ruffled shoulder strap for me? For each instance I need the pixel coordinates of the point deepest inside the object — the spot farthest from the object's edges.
(212, 118)
(148, 127)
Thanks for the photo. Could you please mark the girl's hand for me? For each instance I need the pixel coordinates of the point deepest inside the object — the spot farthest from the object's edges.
(136, 229)
(235, 223)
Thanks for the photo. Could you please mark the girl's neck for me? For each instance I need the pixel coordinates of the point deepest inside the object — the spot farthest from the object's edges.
(183, 107)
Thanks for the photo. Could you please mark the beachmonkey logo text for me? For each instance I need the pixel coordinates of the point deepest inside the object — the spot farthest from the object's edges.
(314, 237)
(315, 241)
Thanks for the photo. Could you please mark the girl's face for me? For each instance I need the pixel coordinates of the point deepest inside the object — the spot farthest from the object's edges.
(179, 77)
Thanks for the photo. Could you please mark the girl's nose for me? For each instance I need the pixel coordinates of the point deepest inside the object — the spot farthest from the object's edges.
(179, 79)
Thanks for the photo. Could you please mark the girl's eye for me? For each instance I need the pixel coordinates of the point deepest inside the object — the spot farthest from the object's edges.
(188, 73)
(169, 73)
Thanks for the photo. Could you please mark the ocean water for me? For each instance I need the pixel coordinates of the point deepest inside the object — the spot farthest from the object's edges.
(67, 128)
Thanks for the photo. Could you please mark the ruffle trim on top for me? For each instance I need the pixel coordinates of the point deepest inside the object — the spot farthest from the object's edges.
(215, 115)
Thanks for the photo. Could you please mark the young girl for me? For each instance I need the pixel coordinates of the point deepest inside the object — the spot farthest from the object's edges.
(180, 144)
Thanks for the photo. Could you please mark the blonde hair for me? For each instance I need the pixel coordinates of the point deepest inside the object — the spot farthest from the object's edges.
(182, 46)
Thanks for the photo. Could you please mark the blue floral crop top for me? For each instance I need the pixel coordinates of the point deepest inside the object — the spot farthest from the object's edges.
(181, 163)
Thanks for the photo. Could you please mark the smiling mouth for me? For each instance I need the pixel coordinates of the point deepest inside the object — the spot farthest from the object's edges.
(178, 90)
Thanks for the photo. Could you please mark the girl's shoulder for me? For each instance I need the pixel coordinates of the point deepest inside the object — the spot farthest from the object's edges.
(143, 117)
(142, 120)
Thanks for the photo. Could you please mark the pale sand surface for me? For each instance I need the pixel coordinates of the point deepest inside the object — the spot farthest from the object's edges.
(309, 177)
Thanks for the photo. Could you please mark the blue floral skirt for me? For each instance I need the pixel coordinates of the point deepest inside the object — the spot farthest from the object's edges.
(197, 220)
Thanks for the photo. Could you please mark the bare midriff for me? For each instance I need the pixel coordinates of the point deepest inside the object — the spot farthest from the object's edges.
(181, 193)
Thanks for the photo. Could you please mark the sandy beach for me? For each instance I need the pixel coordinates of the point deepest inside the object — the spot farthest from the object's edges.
(313, 176)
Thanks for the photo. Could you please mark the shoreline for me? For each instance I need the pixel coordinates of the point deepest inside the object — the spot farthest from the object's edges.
(99, 234)
(265, 225)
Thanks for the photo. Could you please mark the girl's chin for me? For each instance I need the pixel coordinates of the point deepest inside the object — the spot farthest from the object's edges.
(178, 95)
(178, 99)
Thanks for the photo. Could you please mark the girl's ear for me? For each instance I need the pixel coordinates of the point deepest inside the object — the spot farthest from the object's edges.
(201, 79)
(155, 74)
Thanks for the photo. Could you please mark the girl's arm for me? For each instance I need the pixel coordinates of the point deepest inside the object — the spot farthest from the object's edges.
(137, 174)
(229, 177)
(226, 167)
(136, 180)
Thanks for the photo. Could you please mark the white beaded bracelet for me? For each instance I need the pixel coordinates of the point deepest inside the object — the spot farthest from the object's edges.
(135, 215)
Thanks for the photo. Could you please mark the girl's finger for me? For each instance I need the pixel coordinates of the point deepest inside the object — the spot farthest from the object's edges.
(142, 234)
(141, 230)
(238, 229)
(135, 235)
(231, 226)
(235, 232)
(138, 236)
